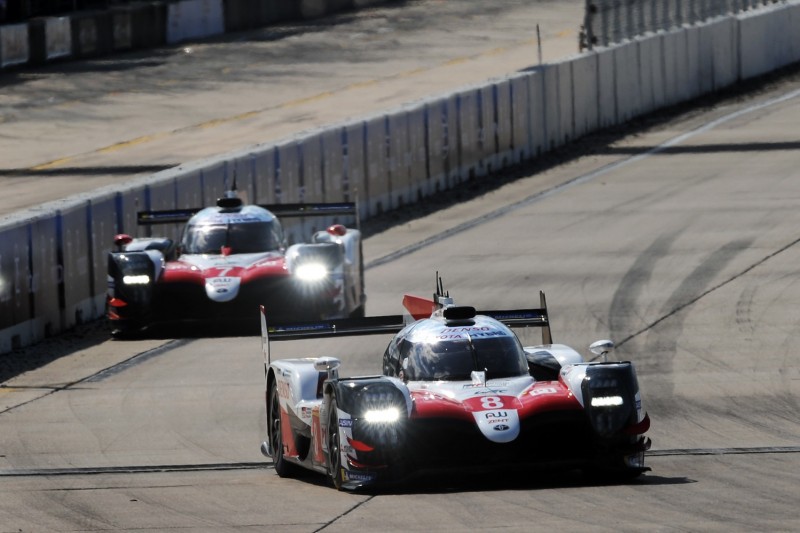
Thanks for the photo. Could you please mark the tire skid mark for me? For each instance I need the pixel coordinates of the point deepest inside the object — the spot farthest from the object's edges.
(623, 303)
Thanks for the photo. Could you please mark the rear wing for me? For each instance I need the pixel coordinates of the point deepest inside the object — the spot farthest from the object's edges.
(373, 325)
(171, 216)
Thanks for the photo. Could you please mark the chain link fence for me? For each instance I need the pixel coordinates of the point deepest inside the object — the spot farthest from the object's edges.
(612, 21)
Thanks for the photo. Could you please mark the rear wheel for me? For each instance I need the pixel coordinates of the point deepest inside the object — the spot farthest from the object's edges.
(335, 470)
(275, 434)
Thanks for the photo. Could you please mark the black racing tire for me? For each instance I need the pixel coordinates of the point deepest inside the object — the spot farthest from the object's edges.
(335, 470)
(614, 471)
(274, 433)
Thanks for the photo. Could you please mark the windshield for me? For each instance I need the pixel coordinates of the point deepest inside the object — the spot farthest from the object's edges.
(241, 238)
(454, 360)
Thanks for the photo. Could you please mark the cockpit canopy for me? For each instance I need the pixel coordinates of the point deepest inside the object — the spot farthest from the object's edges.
(251, 229)
(434, 351)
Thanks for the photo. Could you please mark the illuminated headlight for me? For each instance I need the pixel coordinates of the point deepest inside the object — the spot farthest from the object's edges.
(391, 414)
(311, 272)
(142, 279)
(606, 401)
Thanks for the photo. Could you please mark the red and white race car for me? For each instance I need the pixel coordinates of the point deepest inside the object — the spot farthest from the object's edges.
(458, 391)
(230, 259)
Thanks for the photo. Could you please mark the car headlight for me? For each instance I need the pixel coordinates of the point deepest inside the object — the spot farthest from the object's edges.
(388, 415)
(606, 401)
(311, 272)
(141, 279)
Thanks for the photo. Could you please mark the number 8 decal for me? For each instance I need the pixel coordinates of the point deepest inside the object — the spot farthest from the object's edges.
(492, 402)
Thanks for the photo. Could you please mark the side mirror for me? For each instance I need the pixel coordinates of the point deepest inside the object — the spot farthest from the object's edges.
(601, 348)
(122, 239)
(328, 364)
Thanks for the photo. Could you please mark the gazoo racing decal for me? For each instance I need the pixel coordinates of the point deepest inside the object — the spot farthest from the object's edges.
(496, 417)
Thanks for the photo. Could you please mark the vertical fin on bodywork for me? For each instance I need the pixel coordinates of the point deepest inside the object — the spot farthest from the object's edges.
(547, 337)
(264, 337)
(418, 308)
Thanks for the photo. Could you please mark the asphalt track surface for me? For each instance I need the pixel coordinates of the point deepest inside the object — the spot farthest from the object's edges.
(680, 242)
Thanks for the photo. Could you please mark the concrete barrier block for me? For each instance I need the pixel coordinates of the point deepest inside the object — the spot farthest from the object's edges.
(585, 87)
(121, 28)
(263, 161)
(673, 45)
(451, 140)
(696, 63)
(538, 113)
(420, 184)
(50, 38)
(606, 88)
(520, 118)
(280, 10)
(194, 19)
(14, 45)
(310, 9)
(793, 21)
(399, 158)
(287, 173)
(355, 175)
(377, 161)
(486, 142)
(626, 67)
(504, 126)
(46, 277)
(102, 213)
(129, 202)
(651, 66)
(189, 191)
(726, 52)
(333, 164)
(74, 248)
(312, 185)
(241, 15)
(436, 127)
(148, 24)
(566, 112)
(765, 40)
(15, 274)
(472, 131)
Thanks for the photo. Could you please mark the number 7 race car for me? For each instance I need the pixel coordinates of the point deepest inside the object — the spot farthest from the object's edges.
(231, 258)
(459, 391)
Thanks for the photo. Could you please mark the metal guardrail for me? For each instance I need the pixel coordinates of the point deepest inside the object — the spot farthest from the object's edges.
(608, 22)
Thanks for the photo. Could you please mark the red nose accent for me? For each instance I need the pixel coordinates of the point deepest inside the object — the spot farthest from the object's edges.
(337, 229)
(226, 250)
(639, 428)
(359, 446)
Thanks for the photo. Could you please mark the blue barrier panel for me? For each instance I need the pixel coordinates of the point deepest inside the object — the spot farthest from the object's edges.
(189, 190)
(450, 136)
(161, 194)
(241, 171)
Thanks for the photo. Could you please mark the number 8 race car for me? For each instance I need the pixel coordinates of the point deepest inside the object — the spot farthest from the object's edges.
(232, 258)
(458, 391)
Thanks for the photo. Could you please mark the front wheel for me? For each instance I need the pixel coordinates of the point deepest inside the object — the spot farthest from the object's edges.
(335, 470)
(275, 433)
